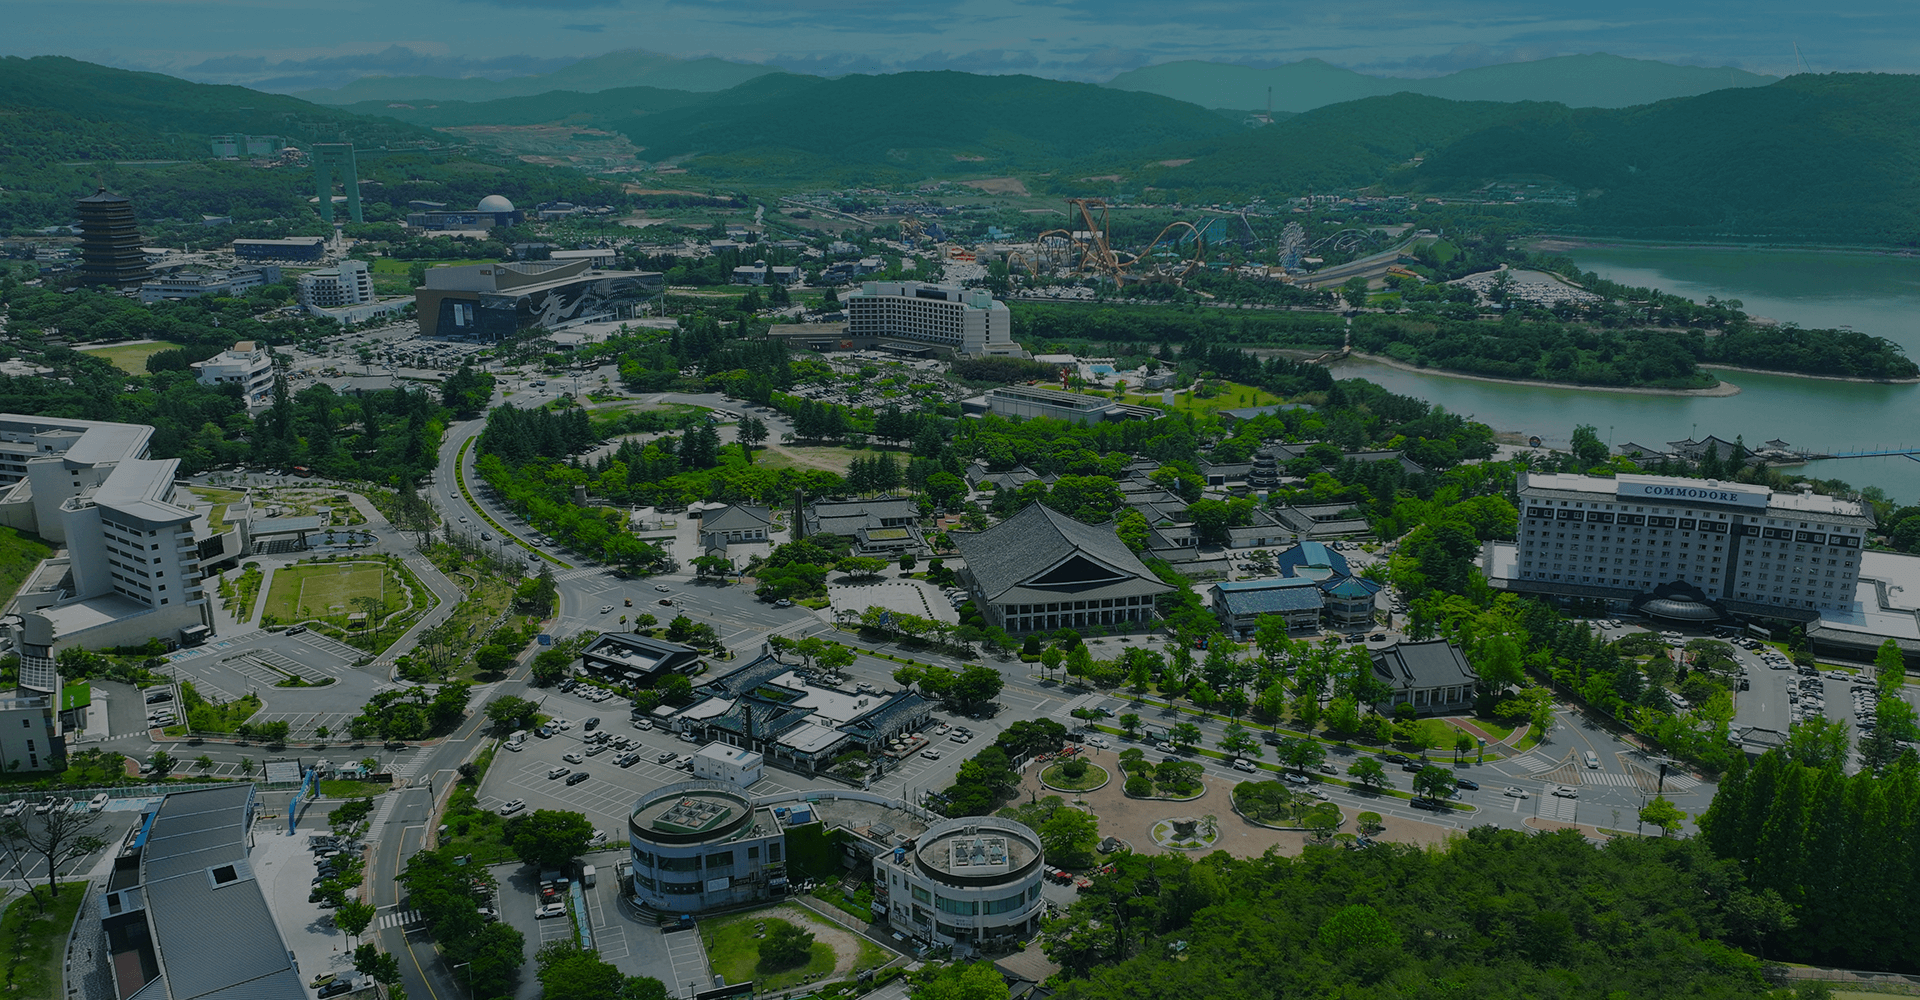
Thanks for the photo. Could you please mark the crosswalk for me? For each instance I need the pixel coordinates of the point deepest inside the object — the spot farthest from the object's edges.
(398, 918)
(407, 766)
(1607, 778)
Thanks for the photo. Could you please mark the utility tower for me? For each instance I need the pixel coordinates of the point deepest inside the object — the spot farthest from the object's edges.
(327, 157)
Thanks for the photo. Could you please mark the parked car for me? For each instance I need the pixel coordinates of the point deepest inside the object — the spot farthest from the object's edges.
(550, 910)
(512, 807)
(592, 724)
(574, 758)
(576, 777)
(930, 754)
(296, 630)
(558, 772)
(334, 989)
(667, 757)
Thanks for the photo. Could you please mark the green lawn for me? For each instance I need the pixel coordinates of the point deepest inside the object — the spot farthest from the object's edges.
(735, 951)
(33, 944)
(130, 358)
(1095, 776)
(1231, 396)
(327, 590)
(394, 265)
(19, 554)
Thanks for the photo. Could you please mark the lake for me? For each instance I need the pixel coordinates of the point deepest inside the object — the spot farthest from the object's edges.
(1874, 294)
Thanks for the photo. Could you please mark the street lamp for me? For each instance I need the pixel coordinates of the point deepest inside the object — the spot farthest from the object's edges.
(469, 967)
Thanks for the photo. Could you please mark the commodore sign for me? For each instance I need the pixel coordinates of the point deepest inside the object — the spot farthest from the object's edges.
(1693, 490)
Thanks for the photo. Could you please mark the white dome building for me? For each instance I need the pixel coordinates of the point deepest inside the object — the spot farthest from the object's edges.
(494, 203)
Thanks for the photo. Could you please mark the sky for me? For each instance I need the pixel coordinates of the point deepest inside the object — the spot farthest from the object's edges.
(289, 45)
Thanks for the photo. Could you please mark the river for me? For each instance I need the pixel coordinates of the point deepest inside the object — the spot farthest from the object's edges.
(1874, 294)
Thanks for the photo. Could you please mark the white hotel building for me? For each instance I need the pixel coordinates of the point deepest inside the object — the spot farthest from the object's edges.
(963, 321)
(1744, 545)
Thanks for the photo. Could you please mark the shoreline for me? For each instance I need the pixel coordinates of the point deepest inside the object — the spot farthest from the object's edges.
(1826, 378)
(1725, 388)
(1627, 243)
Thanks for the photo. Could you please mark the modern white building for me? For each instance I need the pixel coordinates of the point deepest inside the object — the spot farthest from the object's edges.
(973, 881)
(31, 736)
(720, 762)
(350, 284)
(966, 321)
(248, 364)
(1627, 537)
(131, 568)
(194, 285)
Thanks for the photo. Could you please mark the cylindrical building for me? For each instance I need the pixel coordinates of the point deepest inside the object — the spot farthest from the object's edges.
(699, 845)
(975, 879)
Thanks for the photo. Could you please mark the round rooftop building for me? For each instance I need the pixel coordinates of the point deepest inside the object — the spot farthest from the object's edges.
(701, 845)
(494, 203)
(974, 879)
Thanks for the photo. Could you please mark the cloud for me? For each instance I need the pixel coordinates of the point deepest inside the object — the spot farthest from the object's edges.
(591, 29)
(268, 72)
(1468, 56)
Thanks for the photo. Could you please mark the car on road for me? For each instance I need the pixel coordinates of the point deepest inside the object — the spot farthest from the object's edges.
(576, 777)
(665, 757)
(513, 807)
(1466, 783)
(1432, 804)
(550, 910)
(607, 610)
(1412, 766)
(1515, 792)
(1243, 764)
(665, 602)
(1396, 758)
(296, 630)
(558, 772)
(463, 519)
(574, 758)
(1095, 741)
(783, 603)
(1566, 792)
(1593, 760)
(1289, 777)
(661, 589)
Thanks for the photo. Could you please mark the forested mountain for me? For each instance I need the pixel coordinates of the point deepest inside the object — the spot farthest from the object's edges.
(599, 109)
(1597, 80)
(907, 126)
(632, 68)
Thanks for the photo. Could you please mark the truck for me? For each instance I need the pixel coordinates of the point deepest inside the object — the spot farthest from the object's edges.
(587, 874)
(518, 740)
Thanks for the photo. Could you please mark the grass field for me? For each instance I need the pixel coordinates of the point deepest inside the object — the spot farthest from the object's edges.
(130, 358)
(735, 951)
(327, 590)
(35, 943)
(394, 265)
(1232, 396)
(19, 554)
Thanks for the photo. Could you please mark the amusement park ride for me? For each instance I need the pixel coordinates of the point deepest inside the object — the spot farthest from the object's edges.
(1178, 251)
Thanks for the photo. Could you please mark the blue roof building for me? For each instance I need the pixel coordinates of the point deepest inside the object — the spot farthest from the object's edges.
(1315, 584)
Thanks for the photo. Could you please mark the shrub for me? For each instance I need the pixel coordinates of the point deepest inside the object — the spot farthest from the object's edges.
(1140, 786)
(1074, 769)
(785, 947)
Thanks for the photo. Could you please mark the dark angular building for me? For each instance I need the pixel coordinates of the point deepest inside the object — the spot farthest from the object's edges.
(110, 241)
(496, 301)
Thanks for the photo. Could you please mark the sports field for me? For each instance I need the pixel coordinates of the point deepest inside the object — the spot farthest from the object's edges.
(130, 358)
(328, 590)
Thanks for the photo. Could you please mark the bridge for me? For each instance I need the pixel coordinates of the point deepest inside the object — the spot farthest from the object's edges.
(1912, 451)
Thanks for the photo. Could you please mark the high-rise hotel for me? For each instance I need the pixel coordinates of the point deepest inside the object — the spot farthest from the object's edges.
(1733, 542)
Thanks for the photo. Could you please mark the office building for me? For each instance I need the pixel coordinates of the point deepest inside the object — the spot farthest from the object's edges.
(131, 569)
(194, 285)
(496, 301)
(350, 284)
(627, 658)
(759, 273)
(235, 146)
(973, 881)
(963, 321)
(32, 736)
(701, 845)
(182, 914)
(802, 724)
(247, 364)
(110, 251)
(1041, 571)
(295, 249)
(1690, 549)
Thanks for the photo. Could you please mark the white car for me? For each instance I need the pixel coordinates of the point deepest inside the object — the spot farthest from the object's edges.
(1566, 792)
(550, 910)
(513, 807)
(1096, 741)
(607, 609)
(1515, 792)
(561, 724)
(574, 758)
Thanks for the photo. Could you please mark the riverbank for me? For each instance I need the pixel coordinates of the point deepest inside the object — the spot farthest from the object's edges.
(1827, 378)
(1725, 388)
(1562, 244)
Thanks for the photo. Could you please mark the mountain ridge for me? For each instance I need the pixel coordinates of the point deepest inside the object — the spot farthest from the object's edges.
(624, 68)
(1590, 80)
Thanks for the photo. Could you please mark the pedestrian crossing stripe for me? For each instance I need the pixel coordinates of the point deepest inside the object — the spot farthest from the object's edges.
(399, 918)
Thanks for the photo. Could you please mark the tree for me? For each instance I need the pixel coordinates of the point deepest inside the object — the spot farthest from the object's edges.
(751, 431)
(962, 981)
(1130, 723)
(1663, 814)
(58, 837)
(353, 916)
(370, 960)
(1235, 742)
(548, 838)
(1355, 292)
(1357, 927)
(162, 763)
(1588, 450)
(1370, 822)
(1069, 836)
(1202, 697)
(495, 659)
(705, 566)
(976, 685)
(509, 712)
(1889, 669)
(1184, 734)
(785, 947)
(1498, 662)
(1368, 772)
(1051, 659)
(1433, 782)
(836, 658)
(1300, 753)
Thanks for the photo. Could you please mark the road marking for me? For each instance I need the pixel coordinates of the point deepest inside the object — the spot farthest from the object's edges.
(400, 918)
